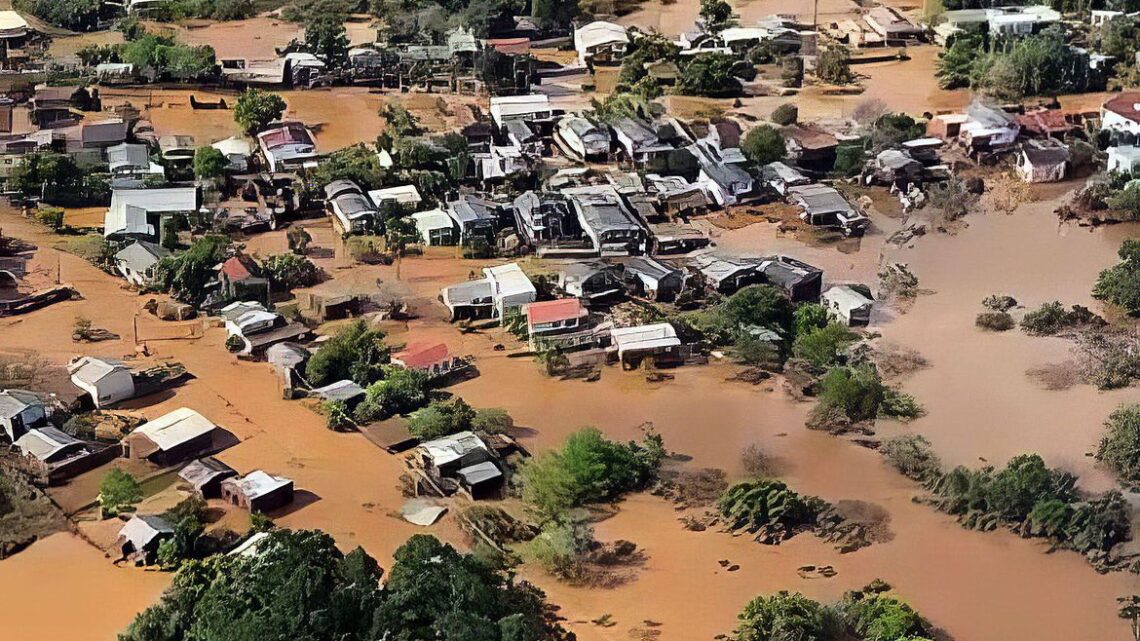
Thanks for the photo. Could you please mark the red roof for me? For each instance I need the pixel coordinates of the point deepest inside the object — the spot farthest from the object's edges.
(1046, 121)
(238, 268)
(554, 310)
(510, 46)
(422, 355)
(1124, 103)
(293, 133)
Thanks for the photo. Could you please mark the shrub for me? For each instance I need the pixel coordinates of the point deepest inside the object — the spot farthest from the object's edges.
(1120, 284)
(756, 461)
(441, 419)
(995, 321)
(856, 392)
(913, 456)
(808, 317)
(1052, 318)
(755, 306)
(900, 405)
(287, 272)
(785, 616)
(786, 114)
(209, 163)
(356, 352)
(587, 468)
(50, 217)
(823, 347)
(999, 302)
(255, 109)
(878, 617)
(1119, 450)
(118, 492)
(399, 391)
(337, 417)
(764, 144)
(492, 420)
(768, 506)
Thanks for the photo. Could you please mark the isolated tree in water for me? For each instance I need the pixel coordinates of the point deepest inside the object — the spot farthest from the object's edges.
(255, 109)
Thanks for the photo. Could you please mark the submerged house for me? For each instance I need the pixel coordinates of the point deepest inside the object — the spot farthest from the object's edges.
(657, 342)
(556, 323)
(107, 382)
(824, 206)
(435, 359)
(724, 274)
(503, 288)
(612, 228)
(1039, 162)
(56, 456)
(353, 211)
(639, 141)
(139, 539)
(258, 491)
(847, 304)
(800, 281)
(171, 438)
(545, 216)
(205, 476)
(142, 212)
(20, 411)
(465, 460)
(138, 261)
(476, 218)
(988, 129)
(653, 279)
(728, 184)
(288, 146)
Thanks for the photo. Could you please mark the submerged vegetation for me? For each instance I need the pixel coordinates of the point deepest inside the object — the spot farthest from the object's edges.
(869, 614)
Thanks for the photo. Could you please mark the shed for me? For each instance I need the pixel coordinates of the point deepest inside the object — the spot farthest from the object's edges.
(20, 411)
(634, 343)
(137, 261)
(406, 195)
(653, 279)
(1039, 163)
(106, 381)
(258, 491)
(171, 438)
(481, 479)
(446, 456)
(138, 540)
(848, 304)
(435, 227)
(205, 475)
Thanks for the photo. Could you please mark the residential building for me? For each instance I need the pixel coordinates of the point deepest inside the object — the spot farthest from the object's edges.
(20, 411)
(139, 539)
(55, 455)
(652, 279)
(583, 139)
(171, 438)
(1123, 158)
(258, 491)
(779, 177)
(1121, 113)
(435, 227)
(847, 304)
(406, 196)
(1039, 162)
(351, 209)
(238, 151)
(143, 212)
(502, 289)
(891, 25)
(433, 358)
(465, 458)
(205, 476)
(240, 277)
(611, 227)
(824, 206)
(600, 43)
(555, 323)
(727, 184)
(476, 218)
(288, 145)
(106, 381)
(658, 342)
(545, 216)
(590, 279)
(531, 108)
(138, 261)
(639, 142)
(800, 281)
(131, 166)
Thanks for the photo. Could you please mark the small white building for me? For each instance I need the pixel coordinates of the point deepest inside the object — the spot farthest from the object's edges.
(404, 195)
(106, 381)
(1121, 113)
(435, 227)
(600, 42)
(135, 212)
(138, 261)
(1124, 159)
(530, 108)
(288, 145)
(177, 436)
(20, 411)
(510, 287)
(644, 340)
(847, 304)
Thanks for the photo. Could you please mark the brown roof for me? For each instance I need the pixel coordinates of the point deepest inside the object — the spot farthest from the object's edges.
(810, 137)
(1124, 104)
(1047, 121)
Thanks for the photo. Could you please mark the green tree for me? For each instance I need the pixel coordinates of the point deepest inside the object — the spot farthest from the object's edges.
(764, 144)
(118, 491)
(255, 109)
(557, 12)
(399, 391)
(1120, 284)
(834, 65)
(823, 347)
(716, 14)
(209, 163)
(880, 617)
(76, 15)
(893, 129)
(46, 172)
(808, 317)
(441, 419)
(325, 37)
(783, 617)
(1119, 450)
(957, 63)
(186, 275)
(399, 123)
(287, 272)
(357, 163)
(356, 352)
(857, 392)
(710, 74)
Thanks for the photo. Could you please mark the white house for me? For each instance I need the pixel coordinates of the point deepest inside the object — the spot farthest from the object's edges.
(530, 108)
(238, 151)
(137, 261)
(658, 338)
(435, 227)
(404, 195)
(510, 287)
(847, 304)
(1123, 158)
(600, 42)
(135, 211)
(106, 381)
(1121, 113)
(19, 412)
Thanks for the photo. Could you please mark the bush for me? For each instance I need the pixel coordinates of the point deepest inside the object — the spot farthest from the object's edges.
(995, 321)
(1120, 284)
(337, 417)
(587, 468)
(356, 352)
(753, 306)
(809, 317)
(399, 391)
(878, 617)
(770, 507)
(50, 217)
(849, 160)
(118, 492)
(1052, 318)
(209, 163)
(999, 302)
(823, 347)
(287, 272)
(255, 109)
(764, 144)
(900, 405)
(786, 114)
(856, 392)
(492, 420)
(784, 616)
(913, 456)
(186, 275)
(441, 419)
(1119, 450)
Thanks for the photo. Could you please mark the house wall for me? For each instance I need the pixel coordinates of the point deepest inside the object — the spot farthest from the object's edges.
(115, 387)
(1114, 121)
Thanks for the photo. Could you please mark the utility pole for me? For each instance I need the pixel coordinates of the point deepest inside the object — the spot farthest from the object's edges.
(815, 17)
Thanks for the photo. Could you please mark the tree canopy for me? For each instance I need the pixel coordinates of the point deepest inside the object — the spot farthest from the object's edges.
(255, 109)
(1120, 284)
(764, 144)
